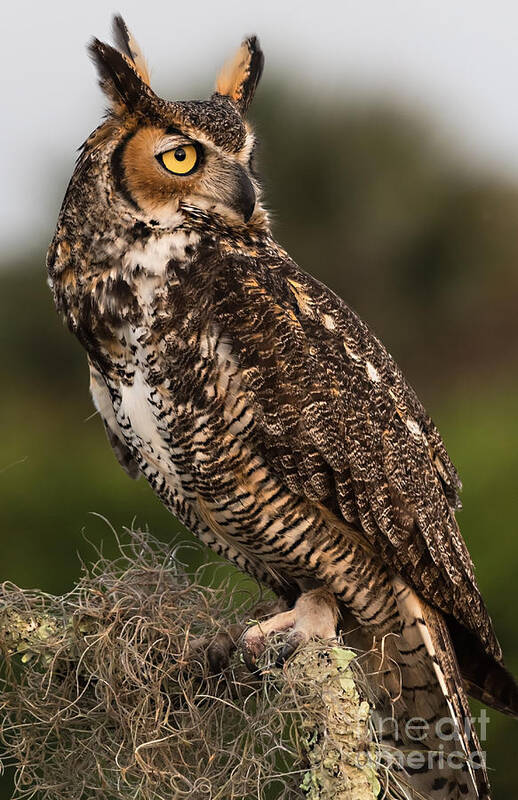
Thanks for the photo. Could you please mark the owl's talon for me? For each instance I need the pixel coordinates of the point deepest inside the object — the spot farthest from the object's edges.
(252, 648)
(295, 640)
(219, 652)
(216, 650)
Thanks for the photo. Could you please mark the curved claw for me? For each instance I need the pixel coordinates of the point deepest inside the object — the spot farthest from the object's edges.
(219, 652)
(295, 639)
(221, 648)
(254, 639)
(252, 648)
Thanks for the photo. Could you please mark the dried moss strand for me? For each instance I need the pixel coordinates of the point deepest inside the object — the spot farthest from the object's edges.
(101, 697)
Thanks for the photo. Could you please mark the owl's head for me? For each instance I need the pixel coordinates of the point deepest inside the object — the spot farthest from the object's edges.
(157, 155)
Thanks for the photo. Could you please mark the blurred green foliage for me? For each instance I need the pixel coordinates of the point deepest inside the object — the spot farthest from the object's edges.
(423, 245)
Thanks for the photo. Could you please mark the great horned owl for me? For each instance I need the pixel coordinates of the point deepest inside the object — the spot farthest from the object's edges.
(262, 410)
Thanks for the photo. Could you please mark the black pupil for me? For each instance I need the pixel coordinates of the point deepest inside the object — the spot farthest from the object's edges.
(179, 154)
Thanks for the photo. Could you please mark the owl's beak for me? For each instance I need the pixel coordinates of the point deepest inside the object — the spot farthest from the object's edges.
(244, 198)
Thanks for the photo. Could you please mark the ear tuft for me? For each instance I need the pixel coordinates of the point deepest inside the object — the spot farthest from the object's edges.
(119, 78)
(240, 75)
(128, 45)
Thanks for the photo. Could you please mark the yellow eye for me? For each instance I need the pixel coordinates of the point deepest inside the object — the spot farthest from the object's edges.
(180, 161)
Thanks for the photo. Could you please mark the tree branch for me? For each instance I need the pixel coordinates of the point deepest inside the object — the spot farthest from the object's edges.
(339, 745)
(104, 692)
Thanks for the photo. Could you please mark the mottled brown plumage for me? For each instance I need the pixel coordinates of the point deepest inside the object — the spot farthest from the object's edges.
(262, 410)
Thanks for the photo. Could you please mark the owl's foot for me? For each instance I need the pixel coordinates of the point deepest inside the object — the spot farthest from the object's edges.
(314, 616)
(219, 648)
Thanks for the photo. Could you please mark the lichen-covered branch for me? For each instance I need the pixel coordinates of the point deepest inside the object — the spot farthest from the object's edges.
(339, 745)
(107, 691)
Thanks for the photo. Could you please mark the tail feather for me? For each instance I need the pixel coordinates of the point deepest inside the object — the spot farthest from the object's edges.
(432, 724)
(445, 663)
(486, 679)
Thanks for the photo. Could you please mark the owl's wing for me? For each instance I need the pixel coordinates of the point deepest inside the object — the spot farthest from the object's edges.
(103, 404)
(338, 423)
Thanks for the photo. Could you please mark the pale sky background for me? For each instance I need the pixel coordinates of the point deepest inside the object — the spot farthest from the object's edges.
(457, 59)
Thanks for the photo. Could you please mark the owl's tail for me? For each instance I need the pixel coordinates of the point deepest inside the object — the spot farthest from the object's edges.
(485, 677)
(426, 730)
